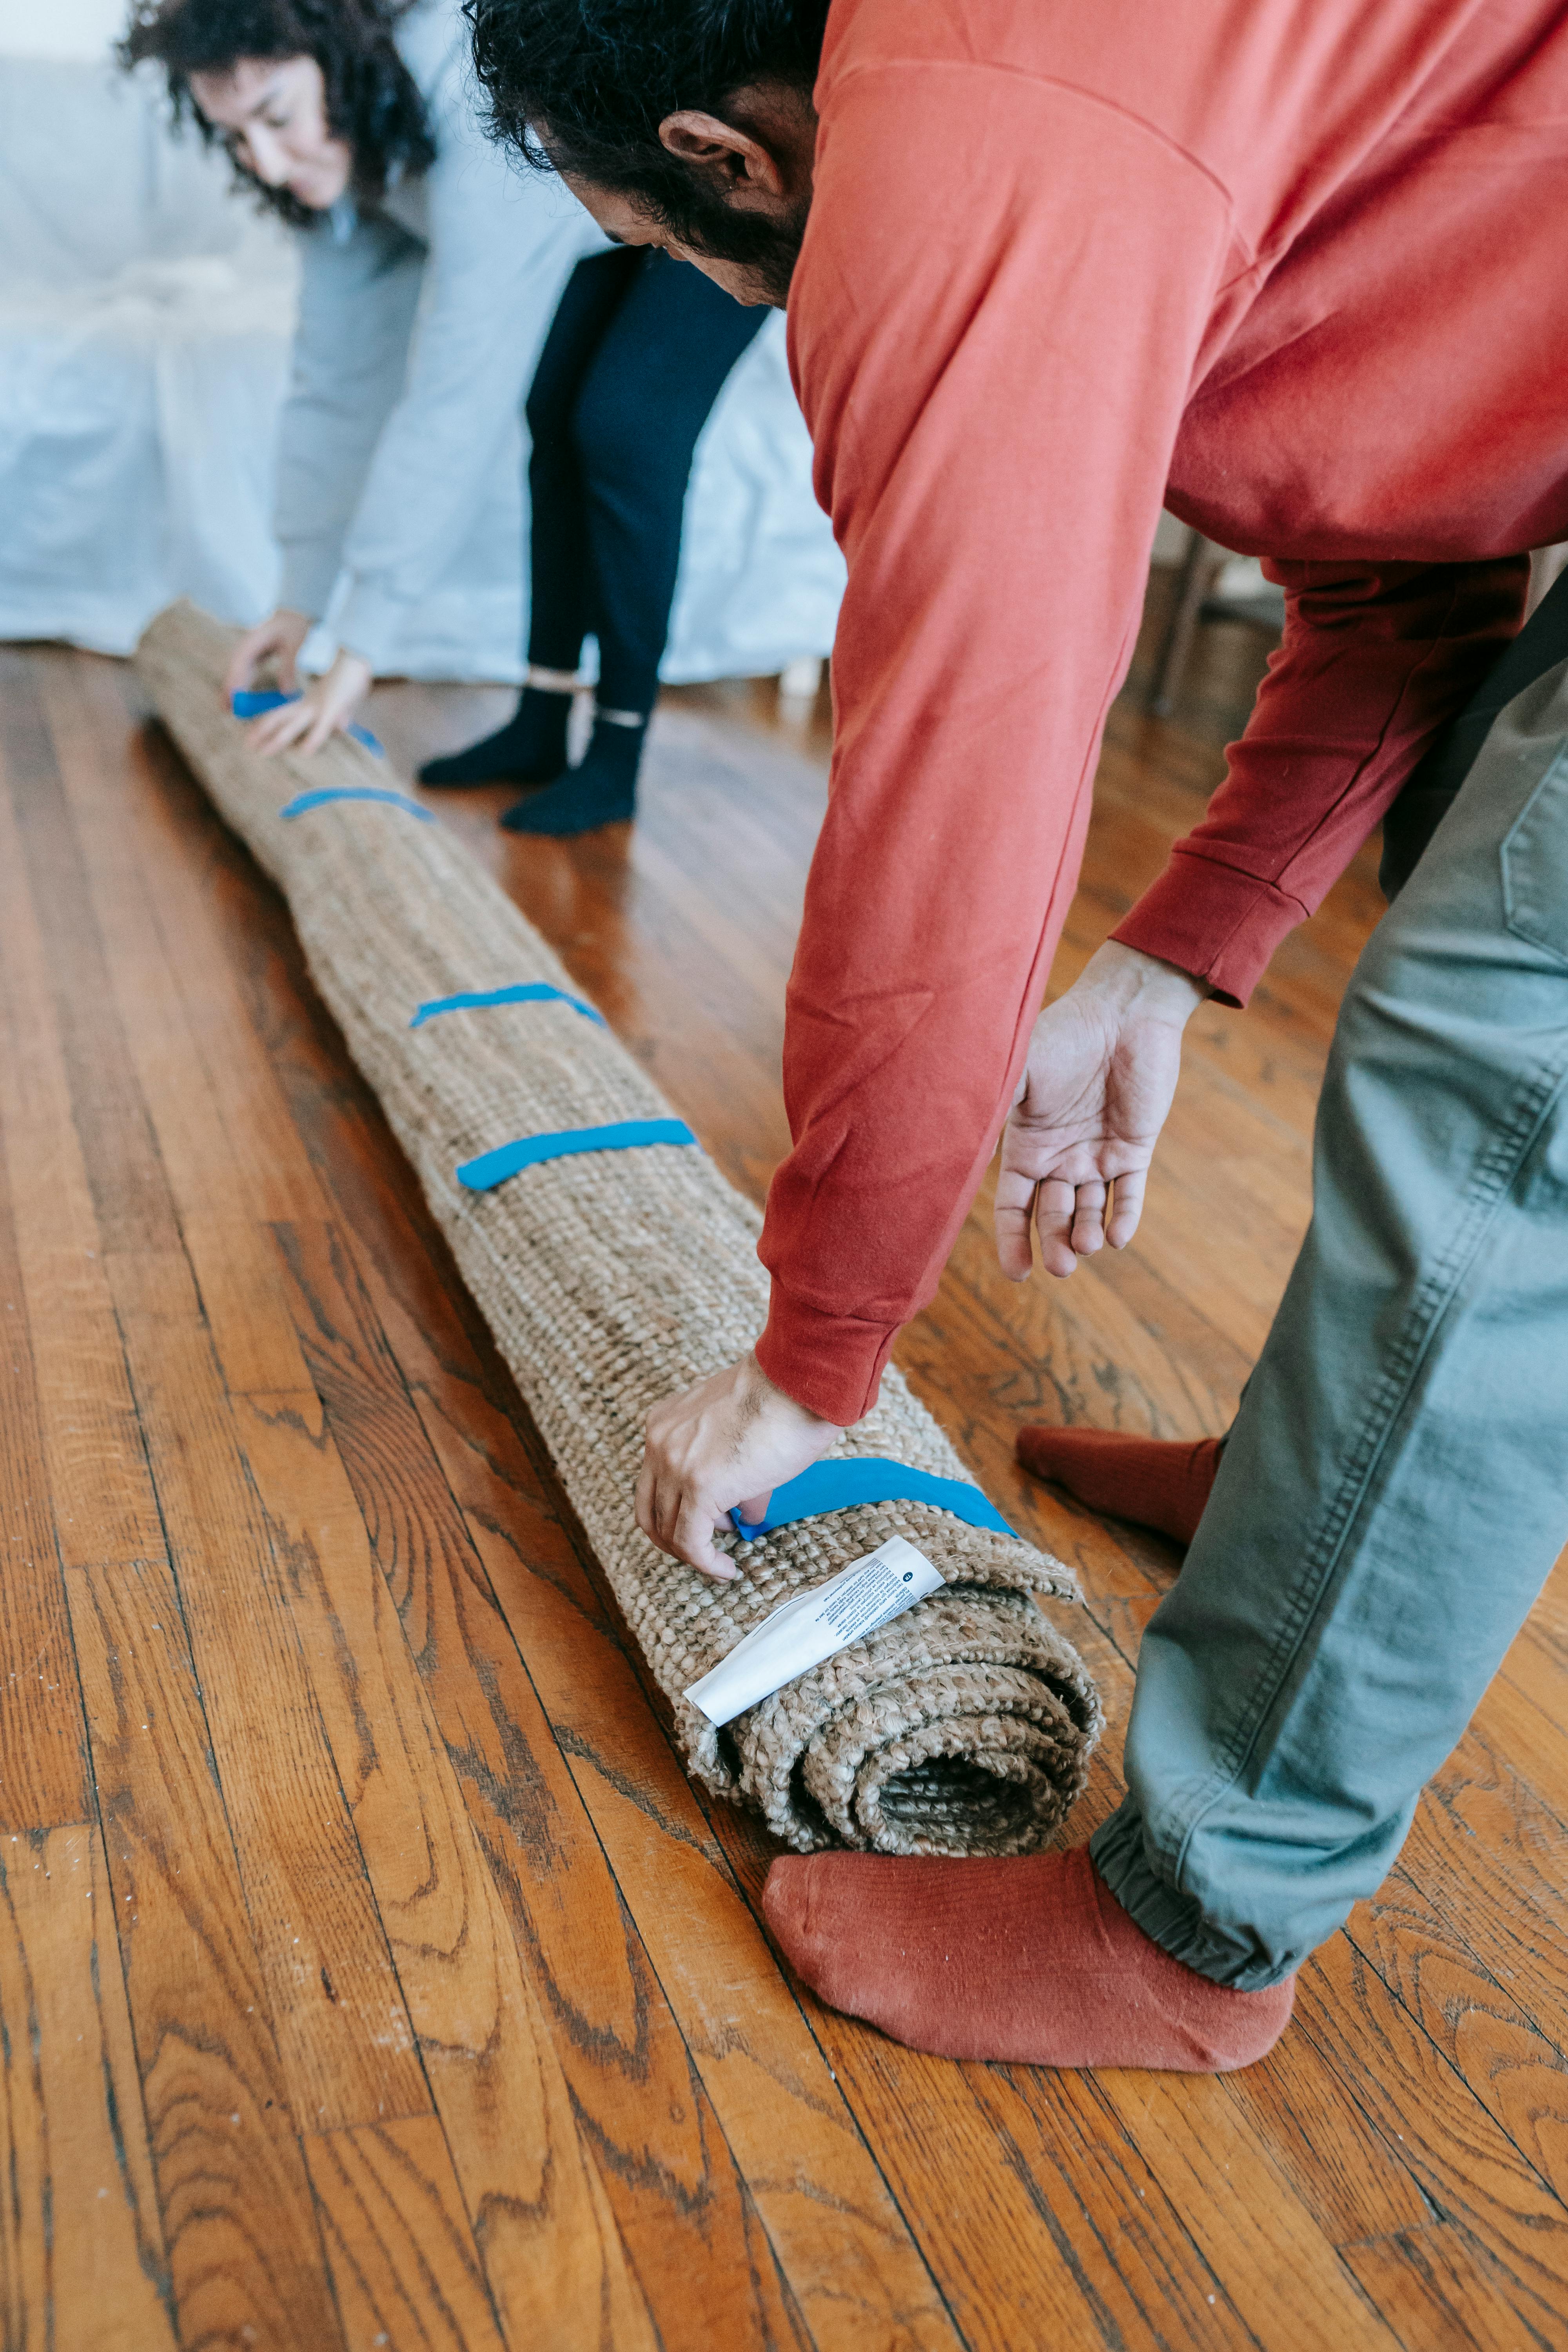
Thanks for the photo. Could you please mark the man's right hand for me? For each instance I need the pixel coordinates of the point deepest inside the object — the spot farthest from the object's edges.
(278, 639)
(1103, 1069)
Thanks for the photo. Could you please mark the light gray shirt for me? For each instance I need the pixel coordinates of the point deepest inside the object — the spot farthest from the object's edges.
(420, 323)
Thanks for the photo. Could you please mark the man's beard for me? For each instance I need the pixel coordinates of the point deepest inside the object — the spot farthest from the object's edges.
(705, 223)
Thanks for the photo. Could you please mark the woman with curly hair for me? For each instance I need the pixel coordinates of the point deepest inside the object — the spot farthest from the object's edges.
(431, 272)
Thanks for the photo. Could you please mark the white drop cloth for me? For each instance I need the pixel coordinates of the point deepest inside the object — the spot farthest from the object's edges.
(145, 317)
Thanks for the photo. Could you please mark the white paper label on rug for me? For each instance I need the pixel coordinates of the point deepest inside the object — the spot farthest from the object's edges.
(814, 1626)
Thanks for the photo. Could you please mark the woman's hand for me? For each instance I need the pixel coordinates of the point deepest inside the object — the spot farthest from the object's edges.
(278, 640)
(326, 709)
(724, 1444)
(1103, 1068)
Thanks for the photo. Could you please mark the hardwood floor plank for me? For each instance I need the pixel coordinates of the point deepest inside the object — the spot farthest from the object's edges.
(1464, 2164)
(401, 2256)
(1489, 1856)
(343, 2028)
(243, 1306)
(161, 866)
(1510, 2066)
(213, 1152)
(749, 2087)
(239, 2220)
(1288, 2282)
(102, 1499)
(1043, 2222)
(549, 2239)
(81, 2249)
(43, 1740)
(120, 1156)
(1438, 2294)
(1486, 1979)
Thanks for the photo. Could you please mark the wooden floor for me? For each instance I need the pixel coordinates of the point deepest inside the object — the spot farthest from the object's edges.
(370, 1973)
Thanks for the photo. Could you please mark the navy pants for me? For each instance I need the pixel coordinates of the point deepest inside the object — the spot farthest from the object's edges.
(637, 355)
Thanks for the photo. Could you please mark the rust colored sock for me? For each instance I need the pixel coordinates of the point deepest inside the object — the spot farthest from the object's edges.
(1031, 1959)
(1149, 1479)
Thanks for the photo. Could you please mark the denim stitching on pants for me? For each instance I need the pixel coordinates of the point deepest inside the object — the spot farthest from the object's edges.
(1534, 864)
(1489, 1186)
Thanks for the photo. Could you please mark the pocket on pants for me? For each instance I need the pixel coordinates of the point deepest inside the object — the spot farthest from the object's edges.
(1535, 863)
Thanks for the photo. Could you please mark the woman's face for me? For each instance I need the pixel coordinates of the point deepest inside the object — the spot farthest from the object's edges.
(273, 111)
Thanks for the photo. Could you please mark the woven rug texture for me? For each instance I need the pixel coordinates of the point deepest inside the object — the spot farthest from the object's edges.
(615, 1277)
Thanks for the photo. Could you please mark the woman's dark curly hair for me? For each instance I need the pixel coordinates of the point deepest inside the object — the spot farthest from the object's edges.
(371, 98)
(582, 86)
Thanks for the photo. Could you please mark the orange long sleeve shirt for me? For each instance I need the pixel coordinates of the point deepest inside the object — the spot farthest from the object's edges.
(1297, 268)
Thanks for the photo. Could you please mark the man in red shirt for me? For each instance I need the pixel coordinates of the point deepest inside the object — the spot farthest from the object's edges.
(1292, 268)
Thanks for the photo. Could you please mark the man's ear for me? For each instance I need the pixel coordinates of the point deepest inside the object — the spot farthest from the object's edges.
(740, 164)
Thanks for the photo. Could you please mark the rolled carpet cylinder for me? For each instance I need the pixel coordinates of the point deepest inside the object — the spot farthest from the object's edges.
(614, 1265)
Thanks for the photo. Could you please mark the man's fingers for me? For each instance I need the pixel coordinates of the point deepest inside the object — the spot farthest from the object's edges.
(1088, 1220)
(645, 1500)
(754, 1507)
(692, 1541)
(1055, 1205)
(681, 1524)
(1126, 1207)
(1012, 1215)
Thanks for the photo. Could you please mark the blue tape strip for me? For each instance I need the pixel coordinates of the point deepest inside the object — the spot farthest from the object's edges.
(250, 703)
(869, 1478)
(493, 1167)
(531, 992)
(302, 801)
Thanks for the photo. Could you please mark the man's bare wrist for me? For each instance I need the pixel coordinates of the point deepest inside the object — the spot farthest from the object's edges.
(1144, 982)
(771, 1388)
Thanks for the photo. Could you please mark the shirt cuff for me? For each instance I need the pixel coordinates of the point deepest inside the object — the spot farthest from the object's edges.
(1213, 921)
(830, 1363)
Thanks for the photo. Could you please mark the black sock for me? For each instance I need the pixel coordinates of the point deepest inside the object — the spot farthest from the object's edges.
(600, 790)
(529, 750)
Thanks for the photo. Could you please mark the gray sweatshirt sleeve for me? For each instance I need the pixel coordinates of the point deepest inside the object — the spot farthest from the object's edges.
(502, 242)
(359, 296)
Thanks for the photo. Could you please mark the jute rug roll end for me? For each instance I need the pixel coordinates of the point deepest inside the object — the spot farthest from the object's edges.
(621, 1273)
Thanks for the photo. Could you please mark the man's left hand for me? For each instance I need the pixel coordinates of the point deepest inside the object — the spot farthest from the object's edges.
(724, 1444)
(1101, 1072)
(326, 709)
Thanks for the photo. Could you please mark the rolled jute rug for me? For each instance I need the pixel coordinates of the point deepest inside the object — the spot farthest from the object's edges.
(614, 1265)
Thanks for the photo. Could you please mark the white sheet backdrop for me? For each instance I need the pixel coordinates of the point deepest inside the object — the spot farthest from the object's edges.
(144, 325)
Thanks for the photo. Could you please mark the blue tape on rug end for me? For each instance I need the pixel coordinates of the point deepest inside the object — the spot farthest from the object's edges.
(302, 802)
(869, 1478)
(532, 992)
(252, 703)
(492, 1168)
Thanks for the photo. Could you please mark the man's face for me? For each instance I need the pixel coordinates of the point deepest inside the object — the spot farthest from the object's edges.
(273, 113)
(731, 193)
(762, 247)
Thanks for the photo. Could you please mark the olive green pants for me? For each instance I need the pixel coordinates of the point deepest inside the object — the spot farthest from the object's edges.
(1396, 1489)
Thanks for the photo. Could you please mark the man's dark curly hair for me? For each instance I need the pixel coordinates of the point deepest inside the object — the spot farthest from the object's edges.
(372, 98)
(582, 86)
